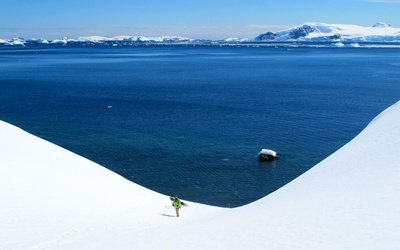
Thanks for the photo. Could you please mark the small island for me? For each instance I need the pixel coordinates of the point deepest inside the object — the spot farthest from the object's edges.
(267, 155)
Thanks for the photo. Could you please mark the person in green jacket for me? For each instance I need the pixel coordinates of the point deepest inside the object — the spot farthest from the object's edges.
(177, 205)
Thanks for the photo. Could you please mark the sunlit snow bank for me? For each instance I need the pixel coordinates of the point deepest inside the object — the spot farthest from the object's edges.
(50, 196)
(53, 199)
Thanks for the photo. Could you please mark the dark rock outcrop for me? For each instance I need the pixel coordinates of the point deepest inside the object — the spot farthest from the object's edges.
(301, 31)
(269, 36)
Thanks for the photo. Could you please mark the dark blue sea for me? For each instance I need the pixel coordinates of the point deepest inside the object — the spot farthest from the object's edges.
(191, 120)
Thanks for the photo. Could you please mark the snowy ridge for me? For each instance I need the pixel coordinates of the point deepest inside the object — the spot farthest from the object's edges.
(322, 32)
(132, 39)
(97, 39)
(53, 199)
(312, 32)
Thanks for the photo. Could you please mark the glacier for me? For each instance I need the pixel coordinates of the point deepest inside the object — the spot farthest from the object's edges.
(322, 32)
(309, 34)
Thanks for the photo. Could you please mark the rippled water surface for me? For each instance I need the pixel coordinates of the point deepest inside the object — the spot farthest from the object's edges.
(190, 121)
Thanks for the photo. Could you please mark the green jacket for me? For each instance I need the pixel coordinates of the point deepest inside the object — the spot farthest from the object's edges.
(177, 204)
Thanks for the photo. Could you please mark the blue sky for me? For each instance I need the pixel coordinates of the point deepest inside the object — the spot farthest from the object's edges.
(213, 19)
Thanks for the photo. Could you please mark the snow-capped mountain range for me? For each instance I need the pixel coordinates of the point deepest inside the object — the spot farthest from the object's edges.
(322, 32)
(306, 33)
(135, 38)
(98, 39)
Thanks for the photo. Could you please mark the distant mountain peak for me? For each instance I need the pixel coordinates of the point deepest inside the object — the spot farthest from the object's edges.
(306, 33)
(381, 25)
(322, 32)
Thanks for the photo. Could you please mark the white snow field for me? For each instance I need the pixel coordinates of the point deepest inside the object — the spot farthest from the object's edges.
(323, 32)
(51, 198)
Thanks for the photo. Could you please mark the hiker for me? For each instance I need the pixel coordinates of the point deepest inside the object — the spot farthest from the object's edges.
(177, 205)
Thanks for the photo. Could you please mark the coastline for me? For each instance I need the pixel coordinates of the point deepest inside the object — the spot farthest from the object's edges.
(53, 198)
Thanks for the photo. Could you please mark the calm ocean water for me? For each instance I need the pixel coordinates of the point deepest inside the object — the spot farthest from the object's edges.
(190, 121)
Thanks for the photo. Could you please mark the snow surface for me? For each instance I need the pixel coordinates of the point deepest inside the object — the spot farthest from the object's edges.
(131, 39)
(15, 41)
(323, 32)
(267, 152)
(98, 39)
(237, 39)
(54, 199)
(316, 32)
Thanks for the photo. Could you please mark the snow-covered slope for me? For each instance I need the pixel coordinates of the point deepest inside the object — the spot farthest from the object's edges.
(98, 39)
(348, 201)
(50, 196)
(133, 39)
(15, 41)
(53, 199)
(322, 32)
(307, 32)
